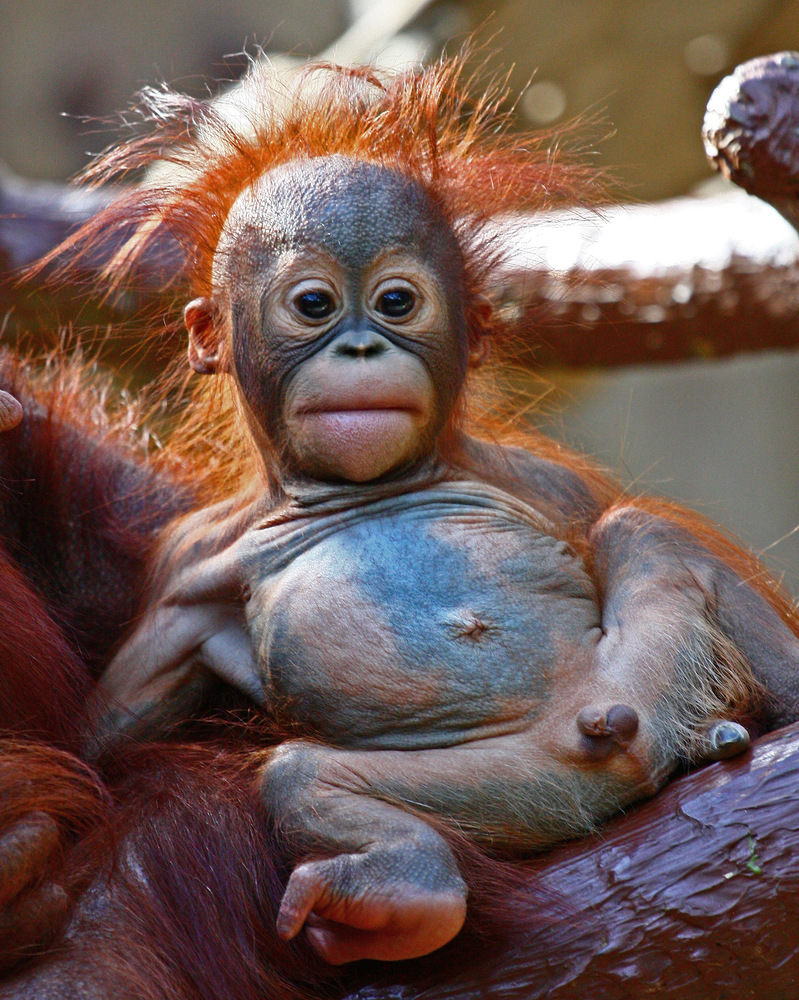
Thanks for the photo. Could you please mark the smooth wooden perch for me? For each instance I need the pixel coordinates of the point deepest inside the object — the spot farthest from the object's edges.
(693, 895)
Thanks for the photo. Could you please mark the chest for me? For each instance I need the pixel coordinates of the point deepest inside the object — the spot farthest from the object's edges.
(430, 622)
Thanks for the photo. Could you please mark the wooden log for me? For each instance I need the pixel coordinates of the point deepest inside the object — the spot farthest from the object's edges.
(690, 278)
(750, 129)
(693, 895)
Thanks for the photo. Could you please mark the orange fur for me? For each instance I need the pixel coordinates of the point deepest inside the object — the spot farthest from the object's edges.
(43, 683)
(419, 124)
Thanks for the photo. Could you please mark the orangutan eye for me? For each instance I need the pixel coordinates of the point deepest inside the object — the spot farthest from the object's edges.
(396, 302)
(315, 305)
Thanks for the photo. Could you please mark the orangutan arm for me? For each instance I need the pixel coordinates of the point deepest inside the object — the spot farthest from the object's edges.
(626, 540)
(185, 639)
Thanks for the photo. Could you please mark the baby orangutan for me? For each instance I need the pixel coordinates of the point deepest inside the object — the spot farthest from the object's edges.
(441, 626)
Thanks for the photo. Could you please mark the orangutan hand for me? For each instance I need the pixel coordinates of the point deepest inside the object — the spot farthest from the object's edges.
(32, 911)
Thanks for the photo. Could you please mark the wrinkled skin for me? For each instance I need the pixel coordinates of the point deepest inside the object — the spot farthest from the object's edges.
(408, 604)
(10, 411)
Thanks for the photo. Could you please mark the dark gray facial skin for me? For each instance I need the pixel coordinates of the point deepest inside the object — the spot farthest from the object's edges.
(350, 231)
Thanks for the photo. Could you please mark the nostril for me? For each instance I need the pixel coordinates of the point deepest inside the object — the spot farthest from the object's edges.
(373, 350)
(357, 348)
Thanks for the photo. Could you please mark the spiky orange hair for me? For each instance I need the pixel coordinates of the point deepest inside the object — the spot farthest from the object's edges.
(424, 124)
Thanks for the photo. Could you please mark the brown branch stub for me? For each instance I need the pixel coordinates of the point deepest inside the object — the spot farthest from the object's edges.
(692, 278)
(750, 129)
(699, 314)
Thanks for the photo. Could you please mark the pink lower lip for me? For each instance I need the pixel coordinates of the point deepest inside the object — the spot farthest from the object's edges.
(366, 408)
(361, 412)
(363, 420)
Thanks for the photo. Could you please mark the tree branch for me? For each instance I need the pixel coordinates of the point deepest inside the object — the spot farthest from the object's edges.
(694, 894)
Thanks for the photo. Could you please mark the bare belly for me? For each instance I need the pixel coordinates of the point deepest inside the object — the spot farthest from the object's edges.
(437, 617)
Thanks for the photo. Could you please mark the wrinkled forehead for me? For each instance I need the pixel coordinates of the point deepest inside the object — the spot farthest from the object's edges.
(350, 209)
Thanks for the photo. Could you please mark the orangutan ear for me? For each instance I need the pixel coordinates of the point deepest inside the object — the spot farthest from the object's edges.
(483, 310)
(479, 353)
(205, 336)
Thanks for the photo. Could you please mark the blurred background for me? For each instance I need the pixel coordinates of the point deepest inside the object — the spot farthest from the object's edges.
(718, 435)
